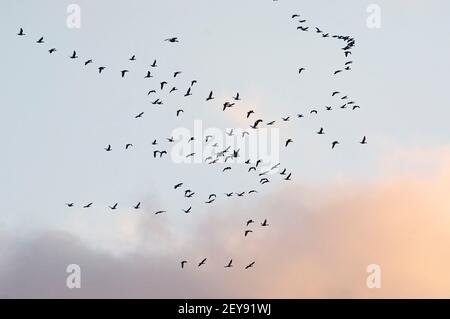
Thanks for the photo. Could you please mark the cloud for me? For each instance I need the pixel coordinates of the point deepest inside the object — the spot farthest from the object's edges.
(319, 243)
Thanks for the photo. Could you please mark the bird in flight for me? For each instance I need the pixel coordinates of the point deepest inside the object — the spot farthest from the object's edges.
(161, 153)
(52, 50)
(247, 232)
(202, 262)
(257, 122)
(175, 74)
(210, 96)
(333, 145)
(250, 266)
(178, 185)
(70, 204)
(127, 146)
(154, 64)
(149, 75)
(237, 98)
(288, 178)
(160, 212)
(123, 72)
(88, 62)
(229, 264)
(288, 142)
(100, 69)
(88, 205)
(264, 224)
(41, 40)
(108, 148)
(183, 263)
(138, 205)
(301, 70)
(321, 132)
(114, 207)
(172, 40)
(133, 58)
(21, 33)
(74, 55)
(187, 211)
(364, 140)
(139, 115)
(250, 221)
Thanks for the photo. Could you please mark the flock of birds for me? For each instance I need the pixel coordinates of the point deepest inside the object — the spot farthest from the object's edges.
(163, 89)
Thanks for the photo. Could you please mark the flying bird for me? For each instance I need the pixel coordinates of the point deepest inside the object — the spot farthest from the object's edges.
(229, 264)
(21, 33)
(88, 205)
(247, 232)
(139, 115)
(364, 140)
(113, 207)
(172, 40)
(250, 266)
(52, 50)
(133, 58)
(41, 40)
(333, 145)
(210, 96)
(288, 141)
(127, 146)
(264, 224)
(187, 211)
(74, 55)
(202, 262)
(138, 205)
(183, 263)
(123, 72)
(108, 148)
(100, 69)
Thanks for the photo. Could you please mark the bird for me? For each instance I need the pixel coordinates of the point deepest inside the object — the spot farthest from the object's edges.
(328, 108)
(70, 204)
(226, 169)
(88, 205)
(303, 28)
(52, 50)
(162, 84)
(193, 82)
(335, 93)
(138, 205)
(236, 98)
(155, 142)
(227, 105)
(151, 91)
(149, 75)
(264, 223)
(364, 140)
(321, 132)
(210, 201)
(100, 69)
(41, 40)
(229, 264)
(139, 115)
(228, 194)
(161, 153)
(240, 194)
(301, 70)
(108, 148)
(202, 262)
(286, 119)
(333, 145)
(123, 72)
(154, 64)
(133, 58)
(250, 113)
(318, 30)
(74, 55)
(271, 123)
(187, 211)
(288, 178)
(250, 221)
(21, 33)
(337, 72)
(210, 96)
(295, 16)
(257, 122)
(175, 74)
(88, 62)
(127, 146)
(313, 112)
(178, 185)
(253, 191)
(113, 207)
(173, 89)
(160, 212)
(179, 112)
(183, 263)
(288, 141)
(247, 232)
(172, 40)
(250, 265)
(188, 92)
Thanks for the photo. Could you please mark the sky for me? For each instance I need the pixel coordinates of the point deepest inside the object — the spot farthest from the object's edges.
(382, 203)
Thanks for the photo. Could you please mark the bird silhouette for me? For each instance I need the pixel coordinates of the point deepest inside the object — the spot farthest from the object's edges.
(139, 115)
(21, 33)
(127, 146)
(229, 264)
(161, 153)
(172, 40)
(333, 145)
(88, 205)
(321, 132)
(41, 40)
(210, 96)
(74, 55)
(301, 70)
(250, 266)
(288, 142)
(138, 205)
(236, 98)
(108, 148)
(250, 221)
(364, 140)
(187, 211)
(175, 74)
(202, 262)
(52, 50)
(114, 207)
(88, 62)
(160, 212)
(183, 263)
(154, 65)
(264, 223)
(123, 72)
(133, 58)
(70, 204)
(248, 232)
(100, 69)
(149, 75)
